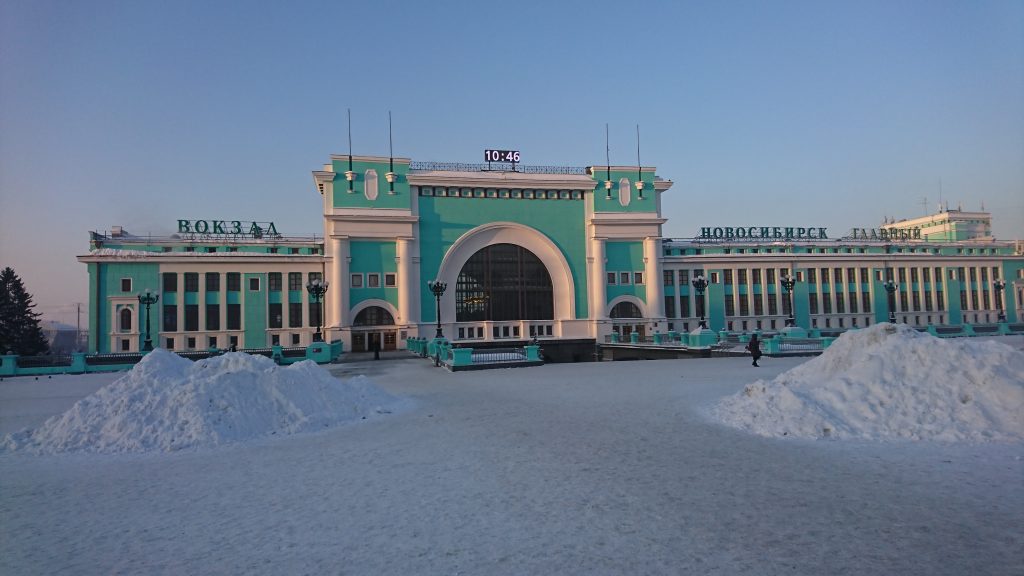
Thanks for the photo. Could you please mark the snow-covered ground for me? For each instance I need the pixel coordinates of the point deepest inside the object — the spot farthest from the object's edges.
(611, 468)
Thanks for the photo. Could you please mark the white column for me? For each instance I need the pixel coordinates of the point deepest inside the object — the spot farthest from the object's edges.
(655, 284)
(408, 282)
(339, 282)
(598, 292)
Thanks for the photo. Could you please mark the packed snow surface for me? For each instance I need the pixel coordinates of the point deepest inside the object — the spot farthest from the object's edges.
(168, 403)
(890, 382)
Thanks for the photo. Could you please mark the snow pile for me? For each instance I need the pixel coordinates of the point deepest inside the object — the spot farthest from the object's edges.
(168, 403)
(890, 382)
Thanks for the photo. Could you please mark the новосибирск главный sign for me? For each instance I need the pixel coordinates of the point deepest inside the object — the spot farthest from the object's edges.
(803, 233)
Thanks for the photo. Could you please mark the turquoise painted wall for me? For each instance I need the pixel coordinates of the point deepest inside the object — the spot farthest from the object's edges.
(601, 202)
(143, 276)
(626, 257)
(357, 198)
(443, 220)
(373, 257)
(254, 312)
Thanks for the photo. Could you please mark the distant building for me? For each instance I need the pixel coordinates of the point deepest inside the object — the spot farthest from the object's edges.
(569, 254)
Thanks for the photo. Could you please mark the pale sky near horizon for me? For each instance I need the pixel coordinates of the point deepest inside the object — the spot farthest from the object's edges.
(789, 113)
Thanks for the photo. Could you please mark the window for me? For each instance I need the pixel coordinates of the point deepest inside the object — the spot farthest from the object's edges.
(638, 277)
(126, 284)
(742, 276)
(770, 276)
(669, 277)
(274, 281)
(170, 282)
(624, 278)
(812, 276)
(853, 302)
(373, 280)
(758, 305)
(756, 275)
(293, 250)
(191, 282)
(234, 316)
(812, 301)
(295, 337)
(234, 282)
(728, 277)
(837, 275)
(390, 281)
(276, 319)
(275, 339)
(357, 280)
(170, 318)
(190, 342)
(913, 275)
(684, 276)
(213, 282)
(503, 282)
(294, 314)
(126, 320)
(840, 303)
(295, 280)
(191, 317)
(730, 307)
(213, 316)
(126, 345)
(211, 342)
(169, 343)
(684, 307)
(611, 278)
(670, 306)
(254, 284)
(314, 313)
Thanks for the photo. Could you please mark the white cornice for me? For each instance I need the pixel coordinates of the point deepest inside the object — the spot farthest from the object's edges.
(501, 180)
(344, 158)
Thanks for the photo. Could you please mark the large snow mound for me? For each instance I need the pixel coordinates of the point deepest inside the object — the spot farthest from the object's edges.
(890, 382)
(168, 403)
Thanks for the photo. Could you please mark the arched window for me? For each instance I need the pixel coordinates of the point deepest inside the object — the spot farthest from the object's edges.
(373, 316)
(504, 282)
(126, 319)
(626, 310)
(370, 184)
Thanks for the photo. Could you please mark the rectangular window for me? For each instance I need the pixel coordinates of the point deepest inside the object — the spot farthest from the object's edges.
(916, 297)
(758, 305)
(826, 304)
(126, 284)
(927, 301)
(373, 280)
(684, 276)
(294, 314)
(357, 280)
(213, 281)
(903, 302)
(170, 318)
(190, 342)
(276, 319)
(170, 282)
(913, 275)
(213, 316)
(295, 280)
(851, 275)
(275, 339)
(624, 278)
(770, 276)
(212, 342)
(812, 301)
(390, 281)
(728, 277)
(234, 282)
(926, 274)
(742, 276)
(864, 275)
(853, 302)
(295, 337)
(773, 304)
(611, 278)
(191, 282)
(684, 307)
(234, 316)
(192, 317)
(756, 274)
(744, 305)
(169, 343)
(669, 277)
(670, 306)
(730, 307)
(840, 303)
(254, 284)
(314, 313)
(638, 277)
(837, 275)
(274, 281)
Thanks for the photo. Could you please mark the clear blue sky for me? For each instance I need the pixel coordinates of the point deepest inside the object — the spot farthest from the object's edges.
(832, 114)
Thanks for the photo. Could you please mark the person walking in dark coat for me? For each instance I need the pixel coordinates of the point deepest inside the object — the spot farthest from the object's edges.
(755, 349)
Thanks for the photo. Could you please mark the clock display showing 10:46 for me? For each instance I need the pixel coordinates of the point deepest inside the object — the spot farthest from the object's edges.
(501, 156)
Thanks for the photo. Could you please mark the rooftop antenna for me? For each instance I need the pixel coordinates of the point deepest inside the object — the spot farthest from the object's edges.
(350, 175)
(924, 205)
(391, 159)
(608, 165)
(639, 171)
(941, 207)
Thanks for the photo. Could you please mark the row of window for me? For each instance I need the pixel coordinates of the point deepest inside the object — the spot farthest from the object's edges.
(233, 281)
(625, 278)
(234, 316)
(372, 280)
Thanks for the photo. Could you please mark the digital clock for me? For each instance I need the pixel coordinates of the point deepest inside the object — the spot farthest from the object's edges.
(511, 156)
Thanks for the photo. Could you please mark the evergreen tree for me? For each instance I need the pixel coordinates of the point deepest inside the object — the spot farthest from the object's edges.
(19, 323)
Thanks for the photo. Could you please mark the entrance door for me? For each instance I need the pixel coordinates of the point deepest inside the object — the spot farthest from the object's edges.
(642, 331)
(359, 342)
(390, 340)
(375, 341)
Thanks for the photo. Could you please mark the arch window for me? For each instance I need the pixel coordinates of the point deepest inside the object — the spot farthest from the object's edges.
(626, 310)
(503, 282)
(125, 319)
(374, 316)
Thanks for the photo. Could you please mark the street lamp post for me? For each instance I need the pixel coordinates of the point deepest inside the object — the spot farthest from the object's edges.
(700, 284)
(999, 285)
(438, 288)
(148, 299)
(788, 282)
(890, 286)
(317, 288)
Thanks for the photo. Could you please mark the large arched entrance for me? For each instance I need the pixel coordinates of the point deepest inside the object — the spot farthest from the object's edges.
(374, 329)
(503, 282)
